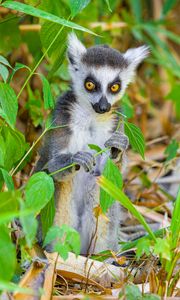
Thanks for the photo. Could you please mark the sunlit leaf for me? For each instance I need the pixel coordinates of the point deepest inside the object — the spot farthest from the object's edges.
(8, 103)
(136, 137)
(7, 179)
(77, 6)
(4, 73)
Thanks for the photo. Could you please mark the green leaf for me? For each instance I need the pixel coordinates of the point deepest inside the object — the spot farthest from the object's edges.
(39, 191)
(48, 32)
(168, 6)
(112, 173)
(171, 150)
(29, 224)
(174, 96)
(47, 95)
(162, 248)
(12, 287)
(94, 147)
(108, 5)
(66, 239)
(136, 137)
(9, 201)
(7, 255)
(143, 247)
(8, 103)
(7, 179)
(175, 223)
(77, 6)
(9, 33)
(133, 292)
(136, 7)
(4, 61)
(4, 73)
(118, 195)
(27, 9)
(47, 216)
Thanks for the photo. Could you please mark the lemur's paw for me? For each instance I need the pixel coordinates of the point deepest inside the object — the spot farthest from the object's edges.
(84, 159)
(118, 143)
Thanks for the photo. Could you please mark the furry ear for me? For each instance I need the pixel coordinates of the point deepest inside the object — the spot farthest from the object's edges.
(135, 56)
(75, 50)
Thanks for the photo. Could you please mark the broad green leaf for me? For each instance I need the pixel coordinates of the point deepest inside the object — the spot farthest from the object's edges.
(118, 195)
(4, 73)
(29, 224)
(112, 173)
(48, 32)
(15, 146)
(9, 201)
(47, 95)
(7, 179)
(39, 191)
(175, 223)
(9, 33)
(8, 103)
(66, 239)
(108, 5)
(27, 9)
(143, 247)
(4, 61)
(171, 150)
(162, 248)
(47, 216)
(7, 255)
(77, 6)
(9, 216)
(174, 96)
(132, 292)
(136, 137)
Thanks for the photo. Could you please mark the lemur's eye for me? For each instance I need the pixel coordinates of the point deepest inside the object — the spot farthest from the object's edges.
(89, 85)
(115, 88)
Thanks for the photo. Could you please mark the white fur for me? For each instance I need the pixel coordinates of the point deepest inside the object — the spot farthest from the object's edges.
(76, 49)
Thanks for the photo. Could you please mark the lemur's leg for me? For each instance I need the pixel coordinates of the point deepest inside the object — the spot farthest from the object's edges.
(118, 143)
(81, 158)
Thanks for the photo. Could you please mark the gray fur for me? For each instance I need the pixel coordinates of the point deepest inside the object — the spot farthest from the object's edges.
(76, 191)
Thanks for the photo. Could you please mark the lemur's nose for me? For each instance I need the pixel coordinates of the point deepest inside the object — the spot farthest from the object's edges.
(102, 106)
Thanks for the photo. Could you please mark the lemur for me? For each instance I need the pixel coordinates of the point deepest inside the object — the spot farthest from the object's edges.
(99, 75)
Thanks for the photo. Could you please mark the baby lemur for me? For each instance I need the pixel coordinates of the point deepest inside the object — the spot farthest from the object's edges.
(99, 77)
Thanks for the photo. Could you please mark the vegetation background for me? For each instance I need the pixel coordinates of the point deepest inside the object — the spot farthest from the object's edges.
(33, 73)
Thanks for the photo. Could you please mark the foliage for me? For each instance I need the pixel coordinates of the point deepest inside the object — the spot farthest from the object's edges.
(25, 102)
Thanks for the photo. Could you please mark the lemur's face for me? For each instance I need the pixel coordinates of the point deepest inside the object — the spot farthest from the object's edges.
(100, 74)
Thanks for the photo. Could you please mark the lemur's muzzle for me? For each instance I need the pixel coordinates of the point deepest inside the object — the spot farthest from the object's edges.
(102, 106)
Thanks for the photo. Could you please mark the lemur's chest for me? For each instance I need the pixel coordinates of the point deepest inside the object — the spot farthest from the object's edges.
(89, 129)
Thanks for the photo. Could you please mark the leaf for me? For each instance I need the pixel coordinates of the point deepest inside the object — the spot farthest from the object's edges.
(29, 224)
(66, 239)
(171, 150)
(175, 223)
(112, 173)
(108, 5)
(7, 255)
(12, 287)
(48, 32)
(117, 194)
(47, 95)
(162, 248)
(9, 201)
(27, 9)
(4, 61)
(136, 137)
(132, 292)
(77, 6)
(8, 103)
(7, 179)
(94, 147)
(136, 7)
(4, 73)
(143, 247)
(174, 96)
(168, 6)
(39, 191)
(47, 216)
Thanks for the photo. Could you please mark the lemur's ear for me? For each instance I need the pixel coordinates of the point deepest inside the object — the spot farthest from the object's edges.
(75, 50)
(135, 56)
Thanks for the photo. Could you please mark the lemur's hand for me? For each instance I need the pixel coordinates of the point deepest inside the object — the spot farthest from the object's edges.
(84, 159)
(118, 143)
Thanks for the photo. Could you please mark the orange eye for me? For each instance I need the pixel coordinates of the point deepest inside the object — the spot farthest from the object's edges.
(89, 85)
(115, 87)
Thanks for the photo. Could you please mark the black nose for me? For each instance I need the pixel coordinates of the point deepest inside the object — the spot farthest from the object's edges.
(102, 106)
